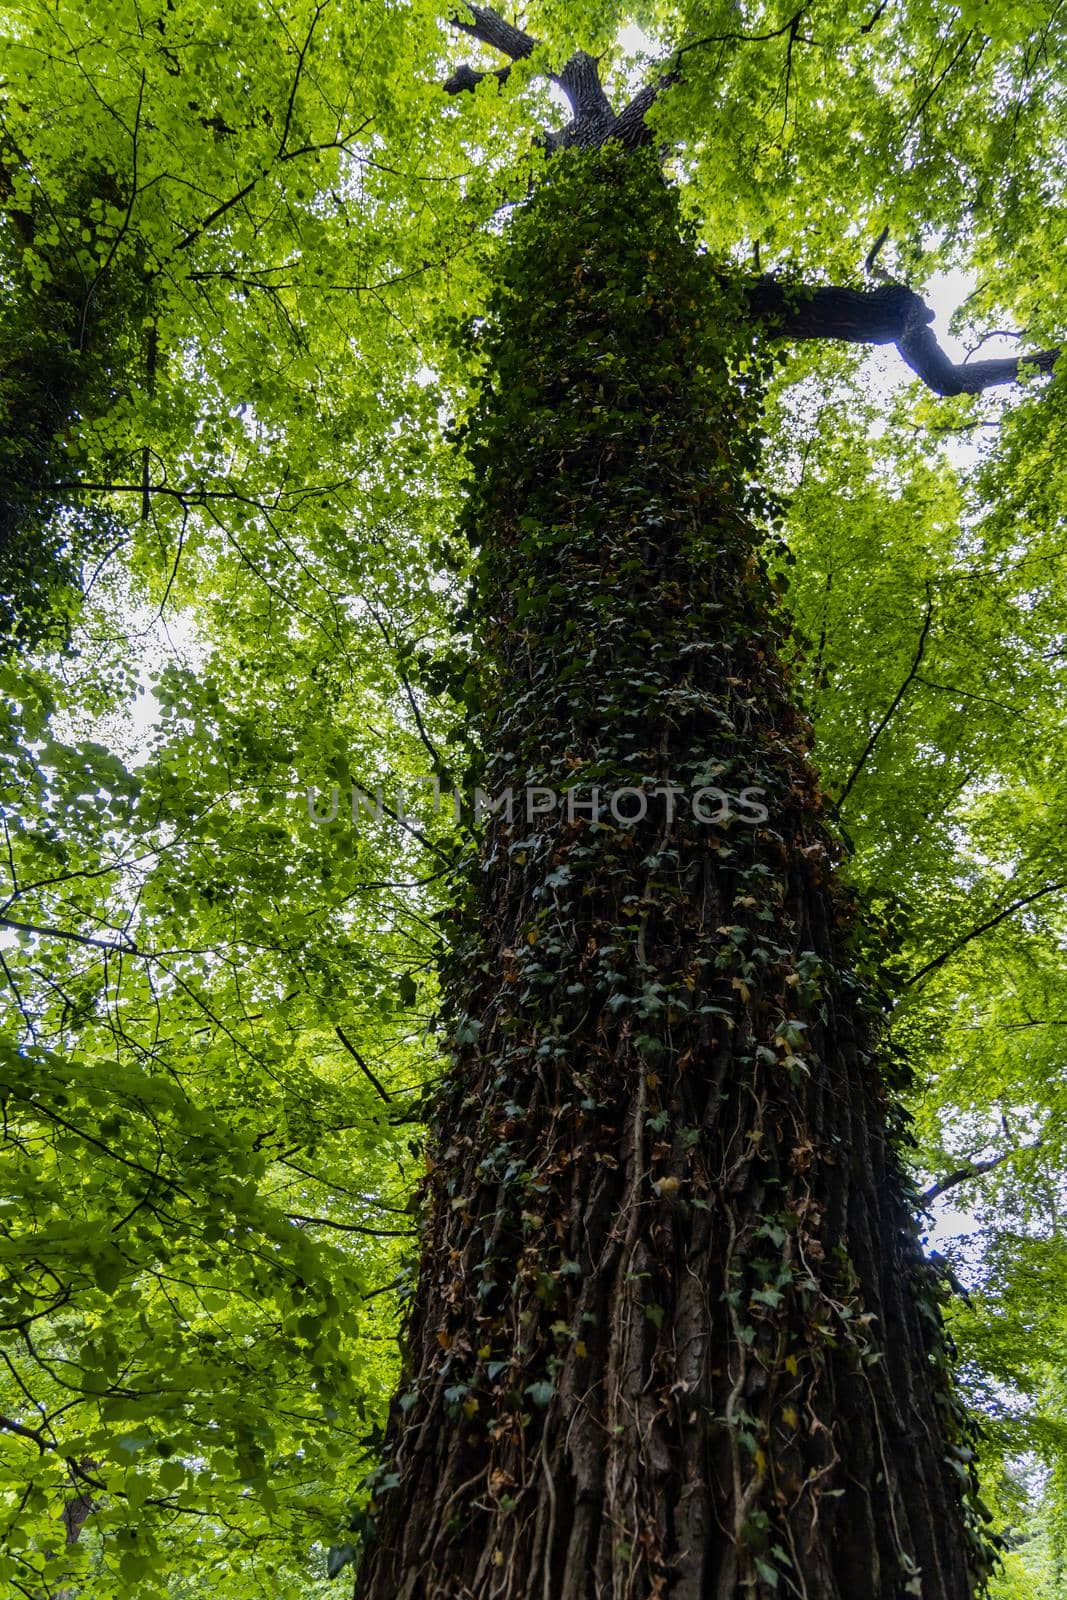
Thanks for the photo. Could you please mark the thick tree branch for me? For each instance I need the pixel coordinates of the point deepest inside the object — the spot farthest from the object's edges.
(890, 314)
(580, 82)
(630, 127)
(591, 110)
(465, 79)
(488, 28)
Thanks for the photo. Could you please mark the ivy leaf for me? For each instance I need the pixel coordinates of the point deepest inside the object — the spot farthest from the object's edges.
(338, 1557)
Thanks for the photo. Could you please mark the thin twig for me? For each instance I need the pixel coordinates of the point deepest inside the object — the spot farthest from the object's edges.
(983, 927)
(364, 1068)
(868, 749)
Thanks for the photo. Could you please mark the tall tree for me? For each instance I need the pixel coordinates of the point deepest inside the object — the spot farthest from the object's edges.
(218, 1005)
(673, 1333)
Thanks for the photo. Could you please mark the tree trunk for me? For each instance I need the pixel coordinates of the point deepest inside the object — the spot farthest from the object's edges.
(673, 1334)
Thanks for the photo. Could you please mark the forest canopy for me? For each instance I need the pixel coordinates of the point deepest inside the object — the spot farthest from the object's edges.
(246, 254)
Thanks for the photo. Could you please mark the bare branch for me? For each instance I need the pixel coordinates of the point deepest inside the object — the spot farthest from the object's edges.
(890, 314)
(973, 1169)
(591, 110)
(791, 27)
(580, 82)
(928, 361)
(297, 75)
(465, 80)
(491, 29)
(872, 254)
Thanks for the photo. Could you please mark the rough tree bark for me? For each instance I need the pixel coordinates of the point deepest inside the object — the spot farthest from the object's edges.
(673, 1334)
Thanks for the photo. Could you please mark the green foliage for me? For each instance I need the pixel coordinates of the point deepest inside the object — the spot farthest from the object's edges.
(236, 244)
(68, 345)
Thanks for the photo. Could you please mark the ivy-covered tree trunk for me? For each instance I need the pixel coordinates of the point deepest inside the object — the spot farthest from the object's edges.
(673, 1335)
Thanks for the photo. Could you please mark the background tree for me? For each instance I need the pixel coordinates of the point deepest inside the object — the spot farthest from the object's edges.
(296, 465)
